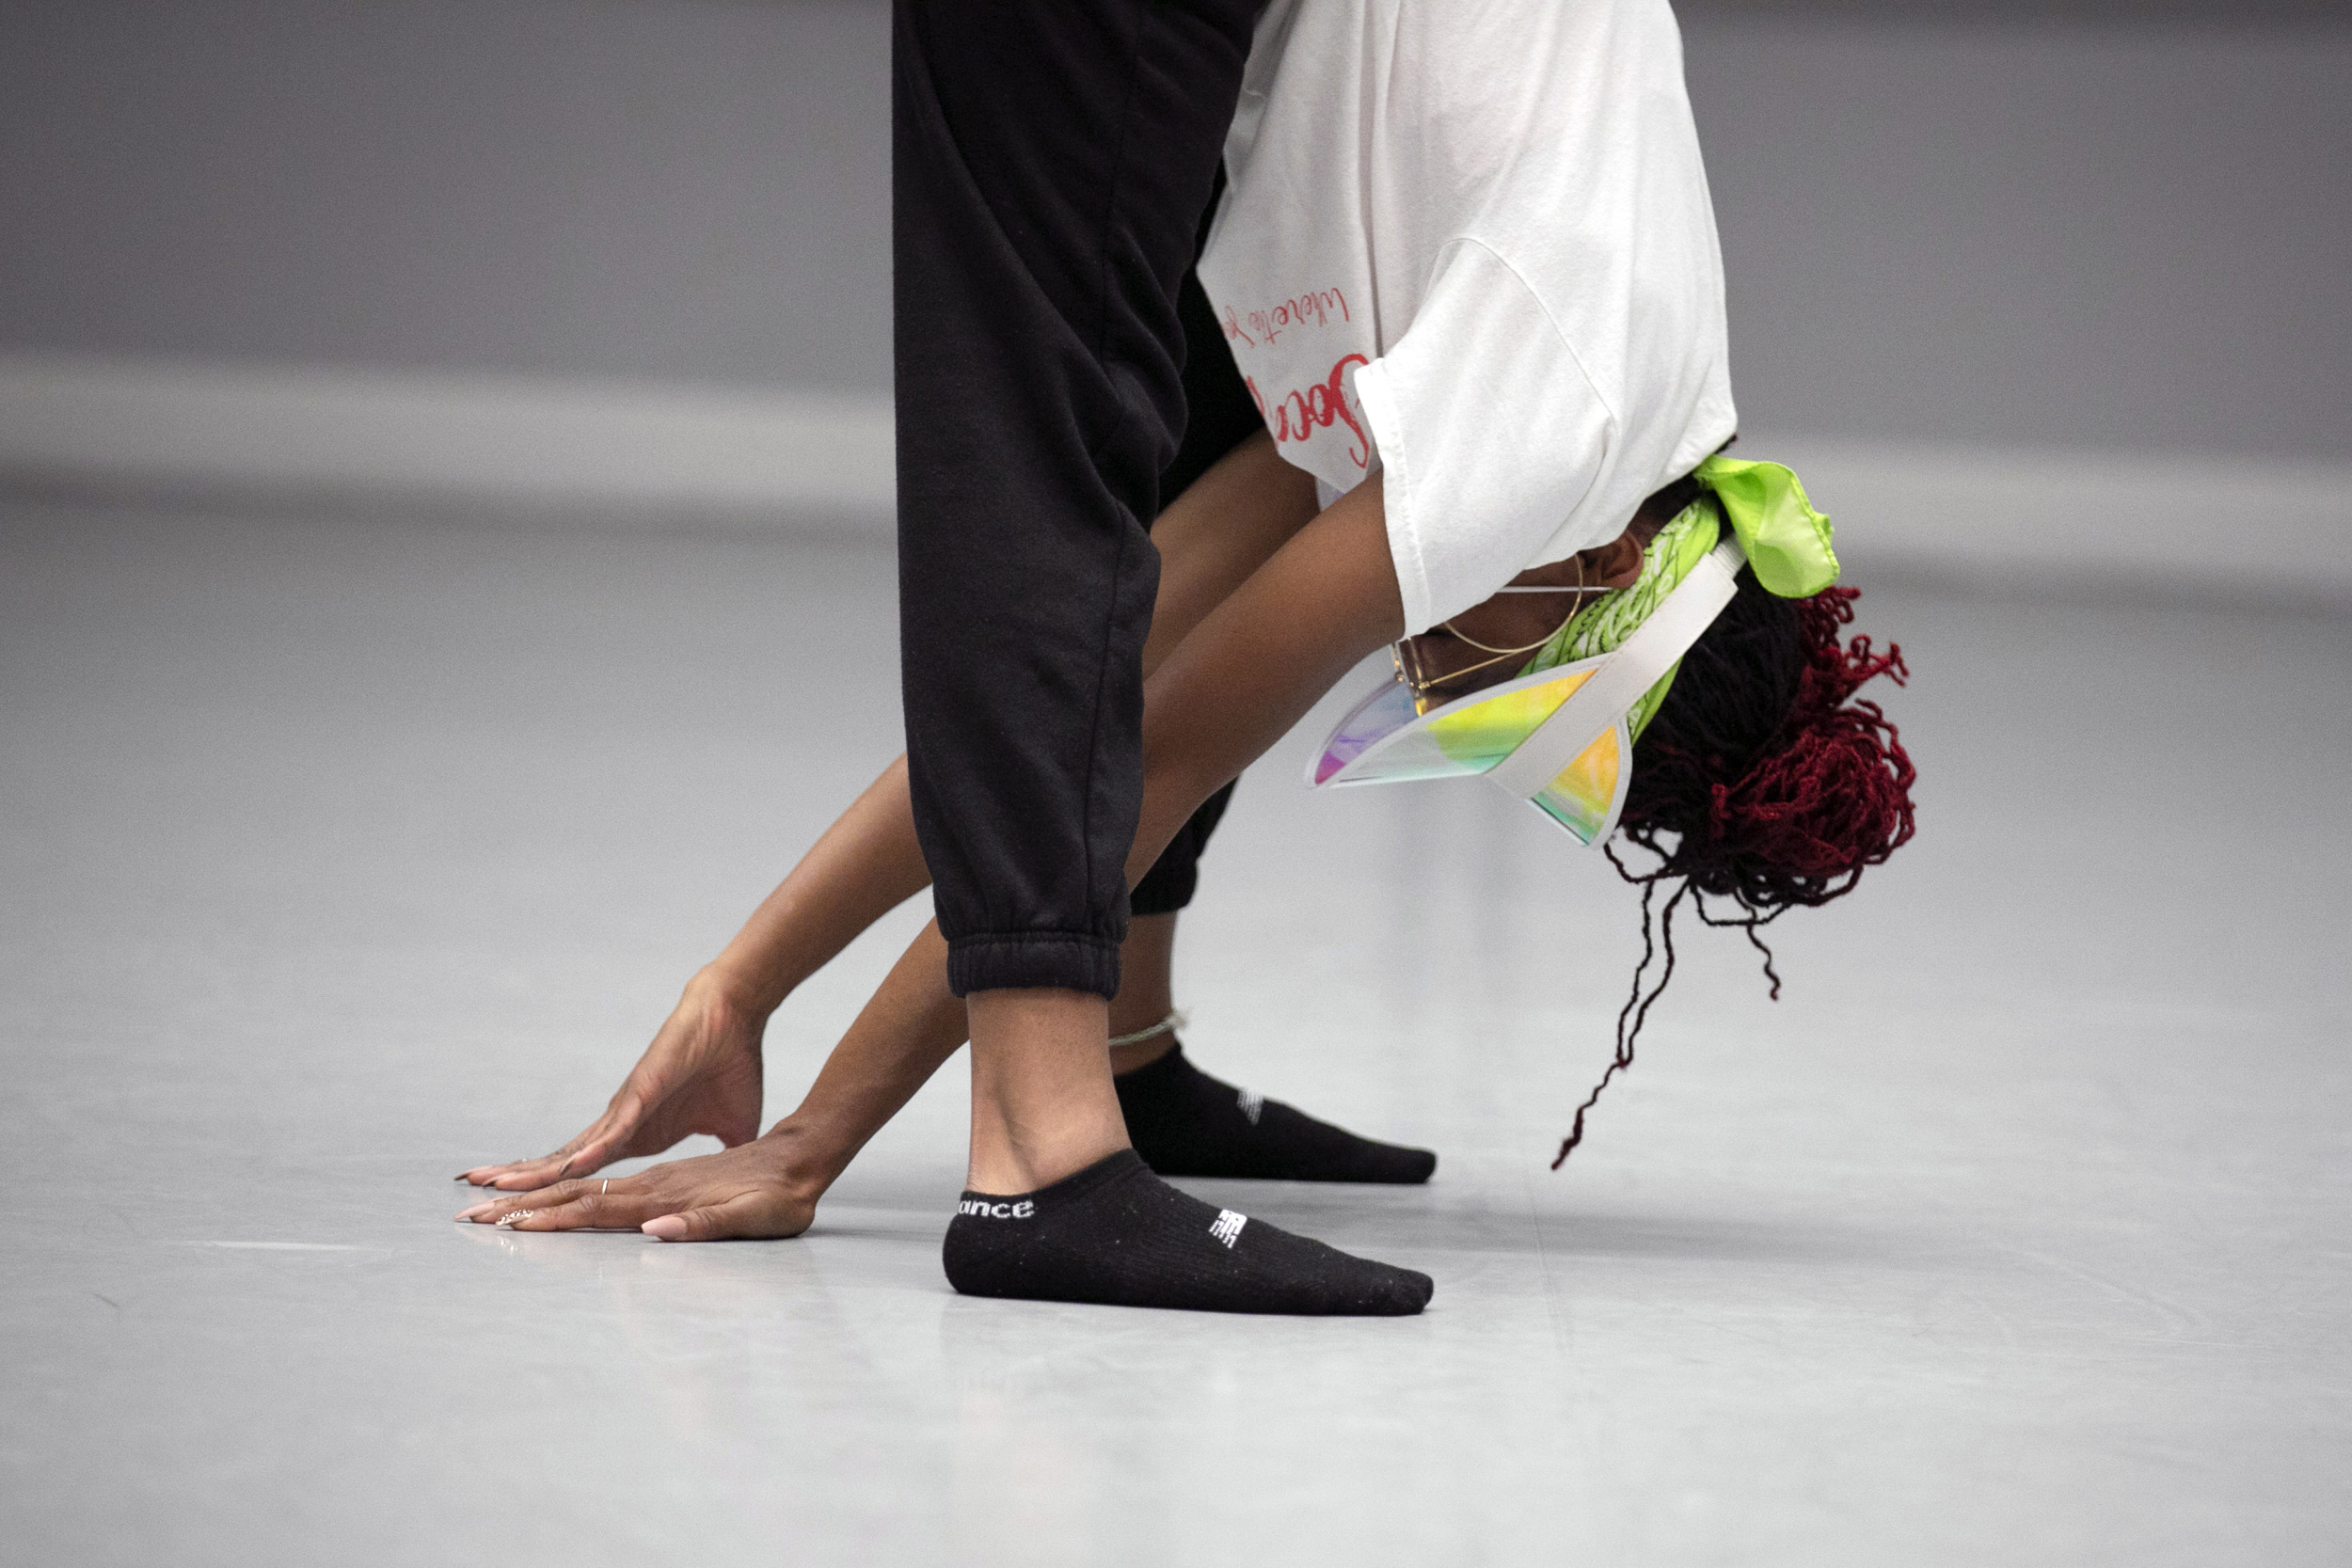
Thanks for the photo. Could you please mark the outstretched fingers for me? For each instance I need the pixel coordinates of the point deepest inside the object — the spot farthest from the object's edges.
(599, 1204)
(583, 1156)
(526, 1175)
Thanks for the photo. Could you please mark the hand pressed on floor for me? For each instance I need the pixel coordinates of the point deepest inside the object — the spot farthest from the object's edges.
(755, 1192)
(701, 1074)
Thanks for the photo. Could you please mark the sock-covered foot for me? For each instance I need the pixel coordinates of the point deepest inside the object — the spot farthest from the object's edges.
(1186, 1123)
(1118, 1235)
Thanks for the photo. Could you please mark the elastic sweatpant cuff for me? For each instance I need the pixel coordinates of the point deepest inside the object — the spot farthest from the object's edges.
(1033, 960)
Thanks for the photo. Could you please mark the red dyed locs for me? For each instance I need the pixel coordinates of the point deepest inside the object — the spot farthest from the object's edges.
(1793, 821)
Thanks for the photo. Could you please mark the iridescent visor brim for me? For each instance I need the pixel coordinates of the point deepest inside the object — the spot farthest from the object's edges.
(1556, 739)
(1382, 740)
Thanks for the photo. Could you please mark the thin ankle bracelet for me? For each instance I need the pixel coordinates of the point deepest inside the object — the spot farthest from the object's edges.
(1172, 1021)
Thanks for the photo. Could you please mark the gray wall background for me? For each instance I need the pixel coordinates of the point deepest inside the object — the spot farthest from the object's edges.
(2091, 224)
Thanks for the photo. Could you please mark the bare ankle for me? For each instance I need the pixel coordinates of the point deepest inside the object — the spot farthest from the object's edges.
(1027, 1168)
(1043, 1105)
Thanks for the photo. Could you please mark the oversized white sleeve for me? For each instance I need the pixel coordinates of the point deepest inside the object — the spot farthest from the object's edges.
(1490, 433)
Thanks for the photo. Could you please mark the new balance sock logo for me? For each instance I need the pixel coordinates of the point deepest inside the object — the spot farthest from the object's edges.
(981, 1209)
(1252, 1105)
(1227, 1228)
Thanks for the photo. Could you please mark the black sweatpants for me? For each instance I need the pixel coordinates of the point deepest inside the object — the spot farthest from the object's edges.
(1219, 415)
(1051, 161)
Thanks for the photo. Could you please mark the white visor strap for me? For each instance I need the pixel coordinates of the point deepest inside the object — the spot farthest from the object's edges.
(1638, 664)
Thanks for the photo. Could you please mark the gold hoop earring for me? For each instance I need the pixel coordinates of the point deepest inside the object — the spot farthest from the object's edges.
(1506, 653)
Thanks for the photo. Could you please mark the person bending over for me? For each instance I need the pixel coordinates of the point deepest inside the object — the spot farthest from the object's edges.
(1468, 266)
(1763, 685)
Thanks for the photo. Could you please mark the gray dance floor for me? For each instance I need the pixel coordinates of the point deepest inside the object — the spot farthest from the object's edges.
(336, 856)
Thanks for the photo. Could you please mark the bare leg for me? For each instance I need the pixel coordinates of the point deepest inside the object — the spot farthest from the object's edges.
(1146, 991)
(1041, 1100)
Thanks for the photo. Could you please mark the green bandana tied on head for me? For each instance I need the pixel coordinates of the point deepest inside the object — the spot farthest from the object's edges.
(1785, 541)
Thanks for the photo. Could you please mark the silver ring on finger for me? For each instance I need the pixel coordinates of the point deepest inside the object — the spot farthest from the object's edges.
(606, 1188)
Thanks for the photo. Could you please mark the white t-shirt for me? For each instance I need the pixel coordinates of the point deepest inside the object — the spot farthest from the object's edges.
(1469, 243)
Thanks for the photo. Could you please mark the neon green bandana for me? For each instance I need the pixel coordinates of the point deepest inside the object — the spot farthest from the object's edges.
(1785, 541)
(1608, 620)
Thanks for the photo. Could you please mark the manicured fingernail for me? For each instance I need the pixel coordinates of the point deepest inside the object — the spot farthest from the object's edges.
(517, 1216)
(469, 1214)
(667, 1227)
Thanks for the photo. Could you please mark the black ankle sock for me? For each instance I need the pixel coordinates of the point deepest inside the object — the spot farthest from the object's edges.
(1186, 1123)
(1117, 1234)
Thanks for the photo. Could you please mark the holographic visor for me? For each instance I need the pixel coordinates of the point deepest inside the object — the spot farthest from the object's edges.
(1556, 739)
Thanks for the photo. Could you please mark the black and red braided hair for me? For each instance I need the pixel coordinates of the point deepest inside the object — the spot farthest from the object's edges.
(1760, 784)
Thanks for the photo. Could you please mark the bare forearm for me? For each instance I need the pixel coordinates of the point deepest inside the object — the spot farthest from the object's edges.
(866, 865)
(1261, 658)
(906, 1033)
